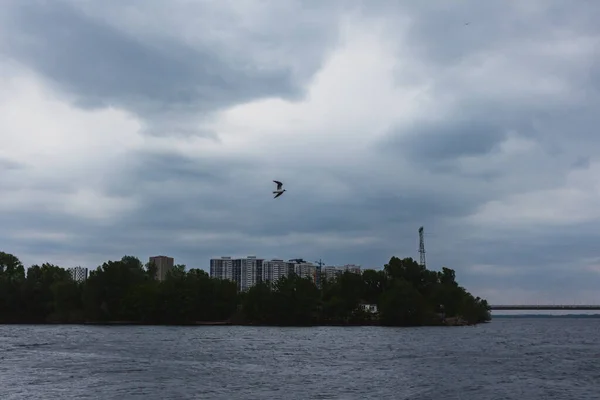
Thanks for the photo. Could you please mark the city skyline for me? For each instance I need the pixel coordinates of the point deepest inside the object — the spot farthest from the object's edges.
(160, 129)
(250, 270)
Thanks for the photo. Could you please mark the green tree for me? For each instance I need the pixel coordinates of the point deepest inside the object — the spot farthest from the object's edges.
(375, 285)
(67, 302)
(12, 276)
(403, 305)
(38, 298)
(258, 304)
(407, 294)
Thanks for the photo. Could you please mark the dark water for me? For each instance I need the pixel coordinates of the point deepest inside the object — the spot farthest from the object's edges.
(525, 359)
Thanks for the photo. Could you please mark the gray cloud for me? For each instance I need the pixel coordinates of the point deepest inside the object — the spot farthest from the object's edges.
(8, 165)
(512, 100)
(439, 142)
(102, 66)
(99, 65)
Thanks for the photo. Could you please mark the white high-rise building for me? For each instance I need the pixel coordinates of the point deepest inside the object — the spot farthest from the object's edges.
(227, 268)
(78, 274)
(306, 270)
(331, 272)
(221, 268)
(275, 269)
(353, 268)
(251, 272)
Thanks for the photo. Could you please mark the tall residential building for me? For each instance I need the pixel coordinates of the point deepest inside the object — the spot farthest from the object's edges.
(226, 268)
(331, 272)
(353, 268)
(305, 269)
(163, 265)
(78, 274)
(275, 269)
(236, 272)
(251, 272)
(219, 268)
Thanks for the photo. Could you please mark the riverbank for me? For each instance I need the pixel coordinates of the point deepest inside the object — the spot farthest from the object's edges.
(448, 322)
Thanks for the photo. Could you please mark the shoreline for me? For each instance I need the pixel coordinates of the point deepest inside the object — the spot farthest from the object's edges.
(230, 323)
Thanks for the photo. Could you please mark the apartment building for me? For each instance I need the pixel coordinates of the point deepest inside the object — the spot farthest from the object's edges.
(163, 265)
(245, 272)
(251, 271)
(305, 269)
(221, 268)
(352, 268)
(331, 272)
(275, 269)
(236, 272)
(226, 268)
(78, 274)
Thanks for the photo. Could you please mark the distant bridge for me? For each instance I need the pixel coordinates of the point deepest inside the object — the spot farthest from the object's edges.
(545, 307)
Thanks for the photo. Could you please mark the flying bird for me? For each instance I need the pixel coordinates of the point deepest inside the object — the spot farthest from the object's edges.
(279, 191)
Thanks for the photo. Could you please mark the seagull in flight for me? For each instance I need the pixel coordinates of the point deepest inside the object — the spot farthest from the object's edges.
(279, 191)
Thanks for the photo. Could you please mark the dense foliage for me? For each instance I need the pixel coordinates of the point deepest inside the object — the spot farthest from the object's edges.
(406, 294)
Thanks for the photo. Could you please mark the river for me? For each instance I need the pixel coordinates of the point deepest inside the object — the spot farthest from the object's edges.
(506, 359)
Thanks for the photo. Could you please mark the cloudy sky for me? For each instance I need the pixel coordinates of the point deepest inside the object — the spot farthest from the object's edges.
(157, 127)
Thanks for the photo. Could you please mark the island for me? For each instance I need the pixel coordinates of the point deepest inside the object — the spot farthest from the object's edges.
(403, 293)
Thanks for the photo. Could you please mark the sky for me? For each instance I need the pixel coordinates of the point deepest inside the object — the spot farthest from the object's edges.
(147, 128)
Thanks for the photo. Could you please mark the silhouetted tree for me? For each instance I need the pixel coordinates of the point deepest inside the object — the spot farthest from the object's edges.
(126, 290)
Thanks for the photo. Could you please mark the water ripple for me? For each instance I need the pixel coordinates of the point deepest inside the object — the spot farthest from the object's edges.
(506, 359)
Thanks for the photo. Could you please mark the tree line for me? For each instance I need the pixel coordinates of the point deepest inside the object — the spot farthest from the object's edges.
(406, 294)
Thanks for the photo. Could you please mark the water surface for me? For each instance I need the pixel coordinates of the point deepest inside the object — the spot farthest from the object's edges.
(506, 359)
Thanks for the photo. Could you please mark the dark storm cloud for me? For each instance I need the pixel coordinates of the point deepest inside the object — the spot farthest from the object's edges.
(551, 261)
(431, 143)
(168, 179)
(161, 166)
(101, 66)
(220, 196)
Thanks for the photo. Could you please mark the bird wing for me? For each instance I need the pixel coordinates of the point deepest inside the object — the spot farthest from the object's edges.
(279, 185)
(278, 194)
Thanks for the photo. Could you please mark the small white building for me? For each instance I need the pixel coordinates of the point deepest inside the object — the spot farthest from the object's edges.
(370, 308)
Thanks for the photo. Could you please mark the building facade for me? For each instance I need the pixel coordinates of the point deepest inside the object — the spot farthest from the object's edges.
(221, 268)
(305, 269)
(163, 265)
(247, 272)
(78, 274)
(236, 272)
(331, 272)
(275, 269)
(352, 268)
(251, 271)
